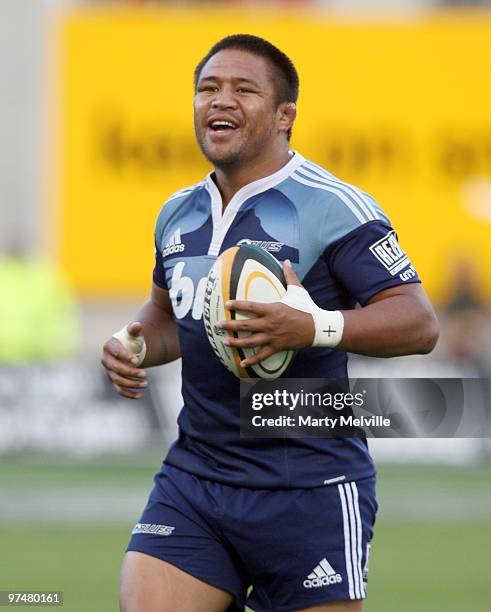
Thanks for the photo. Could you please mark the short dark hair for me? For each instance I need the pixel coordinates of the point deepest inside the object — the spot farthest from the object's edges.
(286, 77)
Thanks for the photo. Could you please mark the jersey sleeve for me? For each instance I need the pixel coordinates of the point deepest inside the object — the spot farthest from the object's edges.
(158, 270)
(369, 259)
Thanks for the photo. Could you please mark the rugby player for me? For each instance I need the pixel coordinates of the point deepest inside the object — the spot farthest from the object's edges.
(293, 519)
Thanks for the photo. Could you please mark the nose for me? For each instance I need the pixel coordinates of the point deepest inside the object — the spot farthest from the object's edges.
(224, 98)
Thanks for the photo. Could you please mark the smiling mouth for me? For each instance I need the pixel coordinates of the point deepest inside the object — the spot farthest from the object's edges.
(220, 126)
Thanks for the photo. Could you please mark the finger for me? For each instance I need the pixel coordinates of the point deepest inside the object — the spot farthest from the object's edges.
(290, 276)
(255, 307)
(128, 383)
(134, 329)
(254, 324)
(264, 353)
(249, 342)
(114, 347)
(120, 367)
(127, 393)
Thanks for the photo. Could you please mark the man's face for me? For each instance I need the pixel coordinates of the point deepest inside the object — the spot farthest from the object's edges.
(235, 109)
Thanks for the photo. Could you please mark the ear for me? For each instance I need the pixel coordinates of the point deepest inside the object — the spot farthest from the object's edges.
(285, 114)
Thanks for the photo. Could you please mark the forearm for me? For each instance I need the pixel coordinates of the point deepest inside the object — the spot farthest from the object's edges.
(396, 321)
(160, 332)
(395, 326)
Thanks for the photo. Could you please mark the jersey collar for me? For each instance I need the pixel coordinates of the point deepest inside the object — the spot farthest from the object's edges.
(222, 222)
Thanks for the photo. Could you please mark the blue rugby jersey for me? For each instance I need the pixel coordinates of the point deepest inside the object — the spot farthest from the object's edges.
(344, 251)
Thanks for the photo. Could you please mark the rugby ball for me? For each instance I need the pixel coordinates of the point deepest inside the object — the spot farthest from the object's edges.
(244, 272)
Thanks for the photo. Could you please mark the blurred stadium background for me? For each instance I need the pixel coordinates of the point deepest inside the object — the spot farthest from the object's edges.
(96, 124)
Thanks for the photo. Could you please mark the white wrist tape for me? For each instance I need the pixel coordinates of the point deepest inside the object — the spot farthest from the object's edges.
(135, 344)
(328, 324)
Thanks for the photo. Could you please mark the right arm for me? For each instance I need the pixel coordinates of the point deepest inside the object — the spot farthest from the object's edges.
(159, 328)
(155, 321)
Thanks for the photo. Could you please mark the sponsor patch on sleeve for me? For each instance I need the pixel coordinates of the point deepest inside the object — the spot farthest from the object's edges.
(390, 254)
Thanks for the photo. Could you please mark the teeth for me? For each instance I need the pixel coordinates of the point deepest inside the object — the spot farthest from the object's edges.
(222, 123)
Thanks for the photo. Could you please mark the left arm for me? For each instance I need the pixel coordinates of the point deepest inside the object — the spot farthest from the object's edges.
(396, 321)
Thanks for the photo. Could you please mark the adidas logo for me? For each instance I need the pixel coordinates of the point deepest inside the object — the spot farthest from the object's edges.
(174, 245)
(322, 575)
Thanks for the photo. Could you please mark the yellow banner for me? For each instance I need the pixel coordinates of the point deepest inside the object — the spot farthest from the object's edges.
(403, 110)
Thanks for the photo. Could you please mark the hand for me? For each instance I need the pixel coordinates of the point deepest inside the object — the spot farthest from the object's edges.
(120, 366)
(274, 327)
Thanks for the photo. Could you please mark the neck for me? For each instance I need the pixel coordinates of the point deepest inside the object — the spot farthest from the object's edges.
(231, 179)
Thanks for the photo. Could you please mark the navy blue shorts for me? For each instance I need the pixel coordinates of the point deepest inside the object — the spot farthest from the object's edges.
(296, 548)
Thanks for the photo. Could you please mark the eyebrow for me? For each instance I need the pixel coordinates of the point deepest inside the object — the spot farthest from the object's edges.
(237, 79)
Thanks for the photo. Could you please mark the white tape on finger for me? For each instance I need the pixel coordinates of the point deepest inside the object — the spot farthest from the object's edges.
(135, 344)
(328, 324)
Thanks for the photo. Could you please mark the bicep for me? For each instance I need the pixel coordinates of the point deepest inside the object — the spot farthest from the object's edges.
(404, 301)
(414, 291)
(398, 320)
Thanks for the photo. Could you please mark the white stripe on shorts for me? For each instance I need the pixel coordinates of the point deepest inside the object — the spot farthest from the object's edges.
(356, 504)
(355, 544)
(347, 542)
(352, 527)
(353, 534)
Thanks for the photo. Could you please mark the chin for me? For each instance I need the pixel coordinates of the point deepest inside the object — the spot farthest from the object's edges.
(221, 158)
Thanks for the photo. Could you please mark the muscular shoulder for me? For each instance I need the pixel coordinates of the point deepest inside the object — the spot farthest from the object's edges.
(176, 203)
(336, 206)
